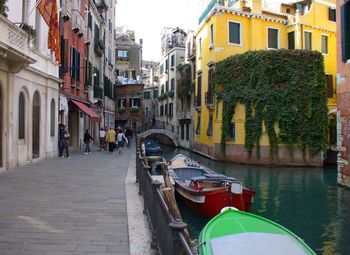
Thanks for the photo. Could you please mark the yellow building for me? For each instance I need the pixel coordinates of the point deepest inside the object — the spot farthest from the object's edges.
(227, 28)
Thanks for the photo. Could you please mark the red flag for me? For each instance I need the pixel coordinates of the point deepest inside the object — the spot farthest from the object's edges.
(48, 9)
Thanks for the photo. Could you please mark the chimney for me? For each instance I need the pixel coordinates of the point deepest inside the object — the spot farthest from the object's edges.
(256, 6)
(141, 41)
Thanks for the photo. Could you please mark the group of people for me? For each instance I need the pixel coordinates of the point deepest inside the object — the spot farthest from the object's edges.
(116, 139)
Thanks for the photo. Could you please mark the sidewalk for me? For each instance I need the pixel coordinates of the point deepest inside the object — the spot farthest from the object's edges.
(70, 206)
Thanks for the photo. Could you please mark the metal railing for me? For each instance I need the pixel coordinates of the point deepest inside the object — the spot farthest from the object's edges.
(168, 234)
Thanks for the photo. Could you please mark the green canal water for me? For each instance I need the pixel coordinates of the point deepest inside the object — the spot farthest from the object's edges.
(305, 200)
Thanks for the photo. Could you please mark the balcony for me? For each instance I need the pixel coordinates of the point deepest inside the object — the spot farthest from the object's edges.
(209, 99)
(14, 47)
(98, 48)
(78, 24)
(66, 11)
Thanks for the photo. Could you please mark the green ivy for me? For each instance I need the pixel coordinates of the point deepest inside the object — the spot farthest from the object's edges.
(3, 8)
(280, 88)
(163, 96)
(185, 86)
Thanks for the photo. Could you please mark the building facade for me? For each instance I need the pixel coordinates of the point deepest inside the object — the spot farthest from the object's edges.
(343, 91)
(233, 27)
(29, 87)
(87, 42)
(129, 88)
(150, 80)
(173, 54)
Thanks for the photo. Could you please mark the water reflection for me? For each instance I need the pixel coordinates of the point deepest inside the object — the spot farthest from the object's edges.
(305, 200)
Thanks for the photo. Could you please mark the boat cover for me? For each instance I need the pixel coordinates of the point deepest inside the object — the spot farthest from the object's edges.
(256, 243)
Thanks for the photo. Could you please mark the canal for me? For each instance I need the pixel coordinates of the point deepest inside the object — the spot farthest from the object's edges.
(305, 200)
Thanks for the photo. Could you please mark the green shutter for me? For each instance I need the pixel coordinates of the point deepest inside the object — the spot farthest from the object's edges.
(345, 41)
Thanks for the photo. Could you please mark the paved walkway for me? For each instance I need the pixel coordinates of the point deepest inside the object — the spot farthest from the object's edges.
(66, 206)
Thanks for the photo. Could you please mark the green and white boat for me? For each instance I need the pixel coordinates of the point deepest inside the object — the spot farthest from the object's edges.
(234, 232)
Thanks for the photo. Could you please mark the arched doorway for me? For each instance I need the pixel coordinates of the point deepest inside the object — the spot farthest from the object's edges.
(36, 125)
(1, 121)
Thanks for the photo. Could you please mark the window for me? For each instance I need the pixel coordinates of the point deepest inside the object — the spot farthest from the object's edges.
(324, 42)
(155, 93)
(172, 84)
(166, 109)
(182, 131)
(172, 60)
(329, 80)
(331, 14)
(122, 54)
(291, 40)
(308, 40)
(210, 126)
(162, 89)
(234, 32)
(187, 132)
(161, 110)
(232, 132)
(161, 69)
(21, 116)
(121, 103)
(198, 127)
(200, 47)
(52, 118)
(166, 65)
(135, 102)
(212, 33)
(273, 34)
(198, 100)
(171, 110)
(75, 64)
(146, 111)
(133, 74)
(166, 86)
(345, 31)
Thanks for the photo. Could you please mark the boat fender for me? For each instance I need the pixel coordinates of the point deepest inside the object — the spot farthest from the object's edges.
(228, 208)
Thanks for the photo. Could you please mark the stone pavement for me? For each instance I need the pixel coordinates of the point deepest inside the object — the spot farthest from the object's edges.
(69, 206)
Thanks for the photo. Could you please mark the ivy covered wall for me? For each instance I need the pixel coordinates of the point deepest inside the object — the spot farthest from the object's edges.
(282, 90)
(3, 8)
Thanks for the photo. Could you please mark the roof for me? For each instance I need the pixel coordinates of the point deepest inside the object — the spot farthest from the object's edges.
(126, 41)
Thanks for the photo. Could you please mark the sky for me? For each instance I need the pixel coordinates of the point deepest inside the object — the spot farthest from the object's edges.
(148, 18)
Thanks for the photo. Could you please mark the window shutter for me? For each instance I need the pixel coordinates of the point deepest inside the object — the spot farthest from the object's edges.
(345, 41)
(330, 85)
(77, 64)
(291, 40)
(72, 63)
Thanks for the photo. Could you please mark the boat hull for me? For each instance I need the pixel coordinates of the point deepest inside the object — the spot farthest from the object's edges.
(209, 204)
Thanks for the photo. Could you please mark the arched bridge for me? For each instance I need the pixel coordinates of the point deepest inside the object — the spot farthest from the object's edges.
(160, 132)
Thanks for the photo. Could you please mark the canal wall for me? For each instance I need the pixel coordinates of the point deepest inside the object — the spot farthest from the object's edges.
(238, 154)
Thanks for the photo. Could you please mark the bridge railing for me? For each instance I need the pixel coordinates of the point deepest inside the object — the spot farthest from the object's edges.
(168, 234)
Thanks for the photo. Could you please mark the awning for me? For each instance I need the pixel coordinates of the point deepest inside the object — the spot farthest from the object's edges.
(93, 115)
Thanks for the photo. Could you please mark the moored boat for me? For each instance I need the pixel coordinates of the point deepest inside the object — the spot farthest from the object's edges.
(206, 191)
(234, 232)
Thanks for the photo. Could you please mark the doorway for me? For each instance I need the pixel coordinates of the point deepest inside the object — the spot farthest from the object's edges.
(36, 125)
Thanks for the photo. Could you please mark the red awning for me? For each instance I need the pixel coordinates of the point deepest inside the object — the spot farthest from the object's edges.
(93, 115)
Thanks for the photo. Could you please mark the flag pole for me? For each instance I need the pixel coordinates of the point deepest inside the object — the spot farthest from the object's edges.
(27, 18)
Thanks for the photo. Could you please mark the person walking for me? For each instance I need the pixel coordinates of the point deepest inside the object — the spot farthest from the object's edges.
(129, 136)
(87, 139)
(110, 139)
(121, 138)
(65, 142)
(60, 140)
(102, 139)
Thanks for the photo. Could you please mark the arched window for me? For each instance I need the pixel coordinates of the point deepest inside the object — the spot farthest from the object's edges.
(21, 116)
(52, 118)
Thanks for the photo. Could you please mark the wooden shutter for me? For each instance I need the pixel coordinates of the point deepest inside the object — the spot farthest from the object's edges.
(77, 64)
(329, 79)
(72, 62)
(345, 41)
